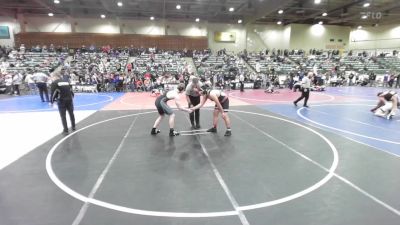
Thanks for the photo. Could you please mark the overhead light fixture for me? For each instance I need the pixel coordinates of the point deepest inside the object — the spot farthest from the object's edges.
(240, 21)
(359, 27)
(280, 11)
(364, 17)
(367, 4)
(320, 22)
(56, 1)
(324, 14)
(279, 22)
(197, 19)
(152, 18)
(51, 14)
(317, 1)
(231, 9)
(178, 6)
(103, 16)
(120, 4)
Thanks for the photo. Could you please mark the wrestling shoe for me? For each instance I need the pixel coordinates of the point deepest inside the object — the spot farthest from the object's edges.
(389, 117)
(228, 133)
(212, 130)
(197, 126)
(155, 131)
(295, 104)
(174, 133)
(306, 106)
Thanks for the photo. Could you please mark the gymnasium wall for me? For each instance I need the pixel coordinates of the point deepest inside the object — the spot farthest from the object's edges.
(380, 37)
(319, 36)
(272, 36)
(252, 36)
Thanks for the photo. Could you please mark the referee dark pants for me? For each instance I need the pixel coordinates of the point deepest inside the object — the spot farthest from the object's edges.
(241, 86)
(195, 115)
(43, 90)
(305, 93)
(63, 107)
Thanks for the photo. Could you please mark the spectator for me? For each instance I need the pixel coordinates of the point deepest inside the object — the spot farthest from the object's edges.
(17, 81)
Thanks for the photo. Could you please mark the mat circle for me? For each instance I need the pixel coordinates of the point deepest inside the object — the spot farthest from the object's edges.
(71, 192)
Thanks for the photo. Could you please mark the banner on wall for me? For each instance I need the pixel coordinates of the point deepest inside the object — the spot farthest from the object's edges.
(4, 32)
(334, 46)
(225, 37)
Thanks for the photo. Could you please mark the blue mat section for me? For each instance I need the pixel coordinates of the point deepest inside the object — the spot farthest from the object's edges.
(32, 103)
(352, 121)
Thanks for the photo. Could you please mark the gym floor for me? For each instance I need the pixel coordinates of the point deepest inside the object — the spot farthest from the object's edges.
(334, 163)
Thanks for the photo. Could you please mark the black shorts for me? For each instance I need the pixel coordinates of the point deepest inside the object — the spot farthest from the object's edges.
(162, 106)
(224, 104)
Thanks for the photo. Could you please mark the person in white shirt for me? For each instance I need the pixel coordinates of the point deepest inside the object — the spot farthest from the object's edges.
(41, 80)
(31, 83)
(305, 89)
(388, 104)
(163, 108)
(17, 81)
(241, 81)
(221, 101)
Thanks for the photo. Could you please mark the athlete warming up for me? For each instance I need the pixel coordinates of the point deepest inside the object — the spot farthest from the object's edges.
(221, 106)
(163, 108)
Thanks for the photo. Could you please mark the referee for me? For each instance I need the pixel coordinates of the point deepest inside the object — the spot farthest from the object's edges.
(62, 93)
(305, 89)
(193, 98)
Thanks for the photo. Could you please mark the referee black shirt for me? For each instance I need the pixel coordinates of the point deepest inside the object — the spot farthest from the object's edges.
(61, 91)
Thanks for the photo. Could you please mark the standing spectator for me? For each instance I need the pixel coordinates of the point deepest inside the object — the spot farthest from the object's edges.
(351, 77)
(31, 83)
(398, 81)
(385, 80)
(8, 79)
(372, 78)
(391, 80)
(17, 81)
(41, 80)
(241, 80)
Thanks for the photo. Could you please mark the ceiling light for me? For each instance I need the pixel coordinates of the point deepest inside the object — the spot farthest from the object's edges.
(120, 4)
(364, 17)
(320, 22)
(103, 16)
(197, 19)
(359, 27)
(178, 6)
(51, 14)
(367, 4)
(152, 18)
(324, 14)
(279, 22)
(231, 9)
(240, 21)
(56, 1)
(280, 11)
(317, 1)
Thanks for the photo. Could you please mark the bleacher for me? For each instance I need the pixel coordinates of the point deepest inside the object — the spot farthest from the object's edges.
(172, 63)
(43, 62)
